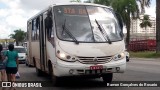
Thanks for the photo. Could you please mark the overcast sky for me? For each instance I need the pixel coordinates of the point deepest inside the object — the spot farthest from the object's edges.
(15, 13)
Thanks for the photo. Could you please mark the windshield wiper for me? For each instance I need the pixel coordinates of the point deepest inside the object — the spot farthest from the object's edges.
(68, 32)
(104, 33)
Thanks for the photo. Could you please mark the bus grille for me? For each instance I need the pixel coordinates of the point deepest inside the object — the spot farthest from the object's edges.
(95, 60)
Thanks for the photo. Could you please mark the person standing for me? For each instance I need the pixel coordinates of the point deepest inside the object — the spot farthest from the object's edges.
(11, 63)
(2, 64)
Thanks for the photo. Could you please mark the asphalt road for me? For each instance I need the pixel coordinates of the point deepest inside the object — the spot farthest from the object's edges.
(137, 70)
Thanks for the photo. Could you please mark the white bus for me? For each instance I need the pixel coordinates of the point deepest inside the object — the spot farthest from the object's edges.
(76, 39)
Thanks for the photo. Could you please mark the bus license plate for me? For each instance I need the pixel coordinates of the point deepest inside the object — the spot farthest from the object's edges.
(99, 67)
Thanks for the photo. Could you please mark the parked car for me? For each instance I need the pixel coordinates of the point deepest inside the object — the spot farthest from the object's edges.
(21, 53)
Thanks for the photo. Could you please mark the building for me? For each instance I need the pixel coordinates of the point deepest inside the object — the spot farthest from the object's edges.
(142, 33)
(6, 42)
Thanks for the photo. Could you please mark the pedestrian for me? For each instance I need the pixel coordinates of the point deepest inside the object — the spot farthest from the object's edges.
(2, 64)
(11, 63)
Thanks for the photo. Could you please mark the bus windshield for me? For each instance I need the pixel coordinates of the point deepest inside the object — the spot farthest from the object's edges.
(84, 23)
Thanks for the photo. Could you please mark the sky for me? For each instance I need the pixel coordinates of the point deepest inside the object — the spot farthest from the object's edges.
(15, 13)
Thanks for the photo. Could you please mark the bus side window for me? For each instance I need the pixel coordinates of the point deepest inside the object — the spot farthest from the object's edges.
(48, 24)
(37, 26)
(28, 25)
(35, 30)
(32, 30)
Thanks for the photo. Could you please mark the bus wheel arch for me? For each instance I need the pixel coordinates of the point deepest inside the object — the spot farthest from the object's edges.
(55, 79)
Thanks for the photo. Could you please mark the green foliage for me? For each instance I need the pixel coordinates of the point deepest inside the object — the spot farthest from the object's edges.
(145, 22)
(88, 1)
(75, 0)
(144, 3)
(18, 35)
(103, 2)
(147, 54)
(126, 8)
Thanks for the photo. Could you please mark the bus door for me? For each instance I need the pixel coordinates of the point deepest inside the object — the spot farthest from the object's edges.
(45, 40)
(42, 44)
(29, 51)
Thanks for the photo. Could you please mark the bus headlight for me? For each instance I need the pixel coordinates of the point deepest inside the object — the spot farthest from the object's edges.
(62, 55)
(65, 57)
(119, 56)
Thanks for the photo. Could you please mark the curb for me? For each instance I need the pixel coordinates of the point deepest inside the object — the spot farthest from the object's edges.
(147, 59)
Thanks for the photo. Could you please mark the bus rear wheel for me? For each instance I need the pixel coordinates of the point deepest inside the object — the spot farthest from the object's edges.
(107, 78)
(27, 64)
(38, 71)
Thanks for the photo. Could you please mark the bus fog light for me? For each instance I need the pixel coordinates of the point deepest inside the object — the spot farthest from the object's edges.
(71, 71)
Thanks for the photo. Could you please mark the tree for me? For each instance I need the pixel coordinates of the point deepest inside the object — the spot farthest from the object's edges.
(18, 35)
(87, 1)
(103, 2)
(145, 22)
(75, 0)
(157, 26)
(144, 3)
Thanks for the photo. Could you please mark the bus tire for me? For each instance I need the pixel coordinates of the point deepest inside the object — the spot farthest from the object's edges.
(27, 64)
(34, 63)
(107, 78)
(55, 80)
(38, 71)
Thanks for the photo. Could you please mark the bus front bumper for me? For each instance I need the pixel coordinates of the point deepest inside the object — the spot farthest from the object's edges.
(62, 68)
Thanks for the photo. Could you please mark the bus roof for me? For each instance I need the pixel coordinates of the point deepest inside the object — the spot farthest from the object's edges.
(73, 3)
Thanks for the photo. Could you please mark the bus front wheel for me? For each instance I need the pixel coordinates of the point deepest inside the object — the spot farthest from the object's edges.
(55, 79)
(107, 78)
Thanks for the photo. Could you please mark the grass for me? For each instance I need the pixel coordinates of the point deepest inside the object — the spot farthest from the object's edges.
(146, 54)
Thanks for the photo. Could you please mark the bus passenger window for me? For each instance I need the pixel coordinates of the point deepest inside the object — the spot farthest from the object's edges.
(37, 27)
(33, 30)
(48, 24)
